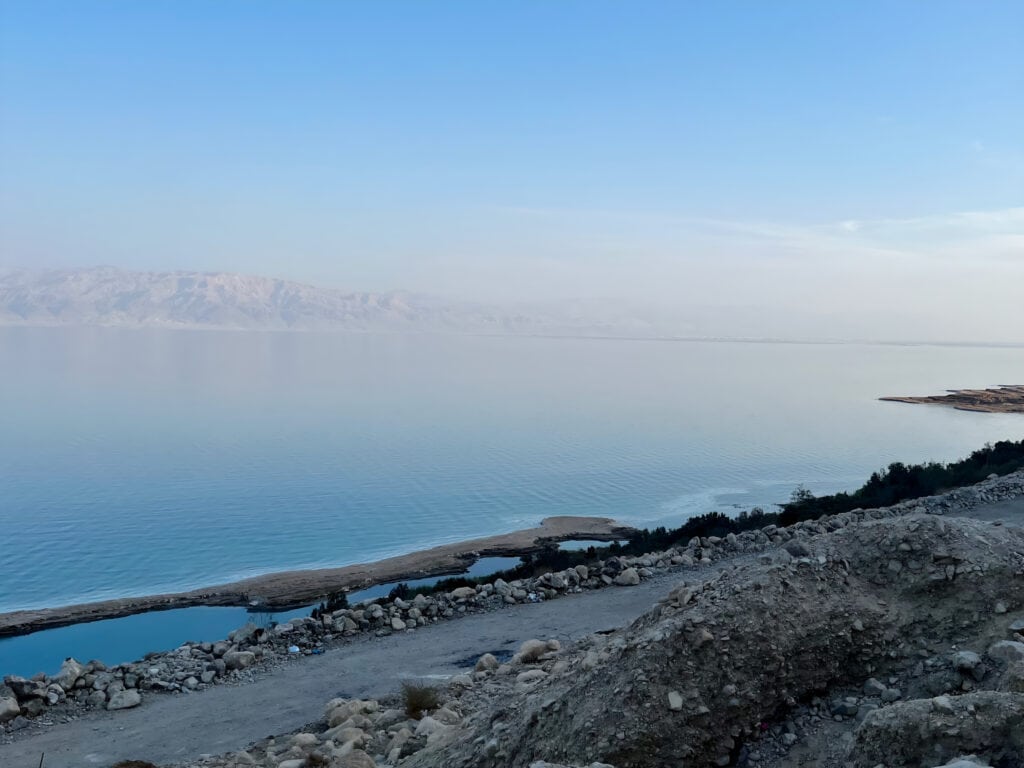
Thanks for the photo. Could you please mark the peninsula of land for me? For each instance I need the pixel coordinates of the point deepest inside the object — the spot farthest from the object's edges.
(294, 589)
(1004, 399)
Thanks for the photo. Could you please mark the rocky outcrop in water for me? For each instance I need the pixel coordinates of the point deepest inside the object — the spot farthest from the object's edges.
(1007, 399)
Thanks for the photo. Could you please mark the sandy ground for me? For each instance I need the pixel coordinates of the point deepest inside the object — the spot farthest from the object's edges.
(225, 718)
(294, 589)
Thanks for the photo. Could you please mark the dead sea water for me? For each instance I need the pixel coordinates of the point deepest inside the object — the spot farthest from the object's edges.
(142, 461)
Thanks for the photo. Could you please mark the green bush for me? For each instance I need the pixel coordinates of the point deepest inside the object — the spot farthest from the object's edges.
(899, 482)
(419, 698)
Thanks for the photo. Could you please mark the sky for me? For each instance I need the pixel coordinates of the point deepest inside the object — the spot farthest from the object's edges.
(861, 163)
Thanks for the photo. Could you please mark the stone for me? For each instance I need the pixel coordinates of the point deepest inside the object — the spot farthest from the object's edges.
(1017, 626)
(486, 663)
(628, 578)
(9, 709)
(397, 624)
(124, 700)
(1000, 607)
(873, 688)
(463, 593)
(531, 651)
(305, 740)
(428, 726)
(797, 548)
(1007, 650)
(70, 671)
(531, 676)
(24, 689)
(239, 659)
(675, 701)
(357, 758)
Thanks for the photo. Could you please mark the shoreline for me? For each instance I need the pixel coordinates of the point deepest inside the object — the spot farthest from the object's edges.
(288, 590)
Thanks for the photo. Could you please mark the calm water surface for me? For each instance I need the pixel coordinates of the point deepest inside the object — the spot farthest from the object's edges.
(134, 462)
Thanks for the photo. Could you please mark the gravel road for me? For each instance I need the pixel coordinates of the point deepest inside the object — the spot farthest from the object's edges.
(173, 728)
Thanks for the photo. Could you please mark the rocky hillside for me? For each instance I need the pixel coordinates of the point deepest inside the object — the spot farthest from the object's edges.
(112, 297)
(881, 637)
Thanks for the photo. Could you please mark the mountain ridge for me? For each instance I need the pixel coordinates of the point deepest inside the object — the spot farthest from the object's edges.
(108, 296)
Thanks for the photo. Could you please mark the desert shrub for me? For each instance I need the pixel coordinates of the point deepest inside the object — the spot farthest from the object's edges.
(335, 601)
(419, 698)
(900, 482)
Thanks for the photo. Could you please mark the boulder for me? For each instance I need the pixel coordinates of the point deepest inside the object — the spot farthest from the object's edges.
(357, 758)
(9, 709)
(239, 659)
(70, 671)
(486, 663)
(463, 593)
(628, 578)
(983, 723)
(531, 651)
(797, 548)
(24, 689)
(124, 700)
(1007, 650)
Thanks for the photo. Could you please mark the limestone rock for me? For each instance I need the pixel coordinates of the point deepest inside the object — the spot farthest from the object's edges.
(628, 578)
(124, 700)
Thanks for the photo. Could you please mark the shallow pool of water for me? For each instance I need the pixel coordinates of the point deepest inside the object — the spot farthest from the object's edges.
(485, 566)
(115, 641)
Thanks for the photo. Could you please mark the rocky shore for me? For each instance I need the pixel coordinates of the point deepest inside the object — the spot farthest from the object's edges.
(294, 589)
(919, 554)
(1005, 399)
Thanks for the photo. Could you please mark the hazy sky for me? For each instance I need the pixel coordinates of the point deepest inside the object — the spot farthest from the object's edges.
(847, 157)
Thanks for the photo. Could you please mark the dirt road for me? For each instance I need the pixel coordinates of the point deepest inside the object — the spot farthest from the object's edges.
(173, 728)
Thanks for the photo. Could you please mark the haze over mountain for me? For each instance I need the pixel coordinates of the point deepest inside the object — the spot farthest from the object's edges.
(107, 296)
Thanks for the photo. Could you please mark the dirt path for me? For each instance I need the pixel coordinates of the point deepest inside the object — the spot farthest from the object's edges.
(167, 729)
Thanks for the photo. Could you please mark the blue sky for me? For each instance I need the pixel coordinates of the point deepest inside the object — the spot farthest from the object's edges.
(522, 150)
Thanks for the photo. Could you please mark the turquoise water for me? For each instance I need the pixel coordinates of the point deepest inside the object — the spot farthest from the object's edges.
(134, 462)
(114, 641)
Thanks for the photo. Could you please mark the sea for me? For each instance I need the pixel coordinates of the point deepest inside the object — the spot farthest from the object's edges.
(135, 462)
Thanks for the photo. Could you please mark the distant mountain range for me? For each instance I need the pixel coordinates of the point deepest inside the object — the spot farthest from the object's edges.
(106, 296)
